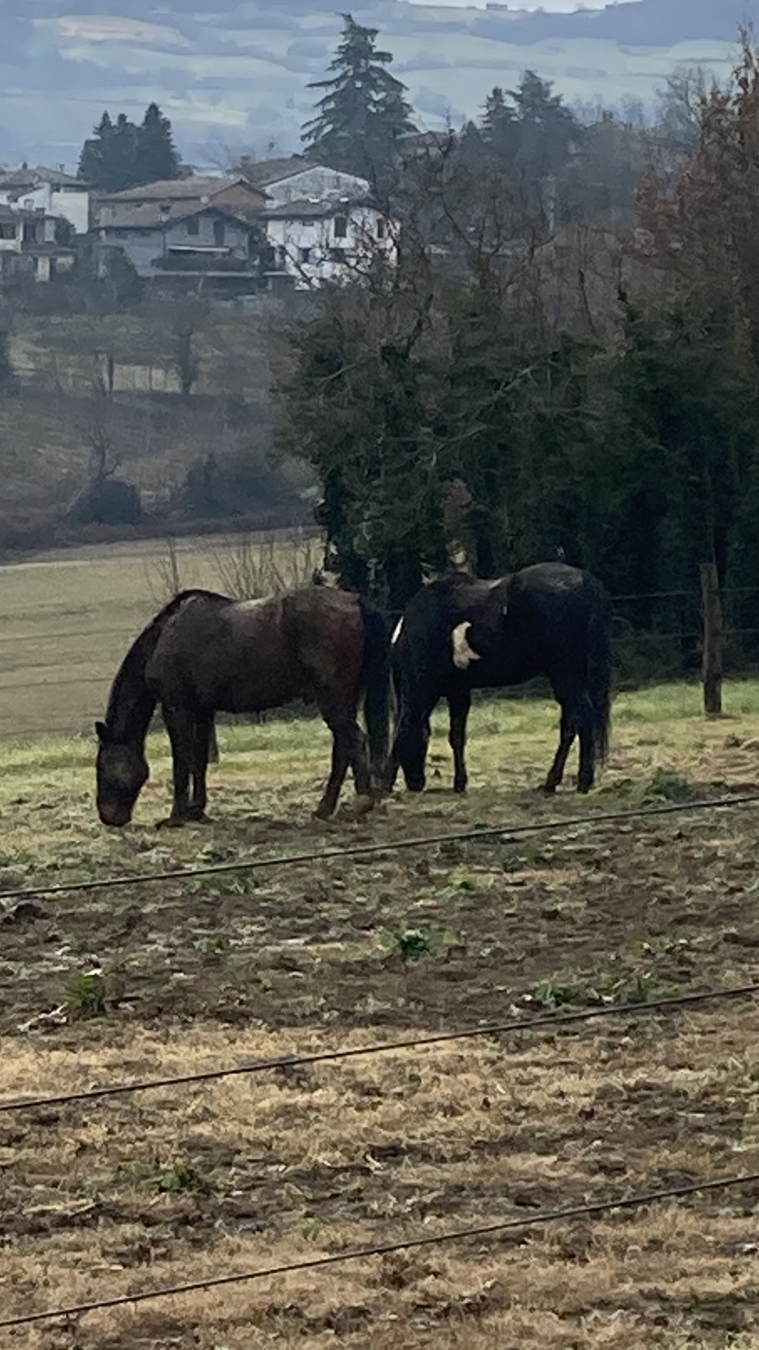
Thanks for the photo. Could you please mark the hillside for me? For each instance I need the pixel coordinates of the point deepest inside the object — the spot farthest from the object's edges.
(234, 76)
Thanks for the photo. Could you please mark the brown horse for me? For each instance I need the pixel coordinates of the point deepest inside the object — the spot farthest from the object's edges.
(206, 653)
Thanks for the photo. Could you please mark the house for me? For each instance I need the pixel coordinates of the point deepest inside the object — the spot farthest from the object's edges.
(296, 179)
(234, 192)
(49, 190)
(321, 224)
(35, 244)
(196, 226)
(312, 242)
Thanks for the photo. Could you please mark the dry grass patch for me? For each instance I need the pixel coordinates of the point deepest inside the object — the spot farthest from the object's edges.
(108, 1199)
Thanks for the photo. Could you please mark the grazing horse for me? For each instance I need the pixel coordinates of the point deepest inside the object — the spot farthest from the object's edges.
(206, 653)
(460, 634)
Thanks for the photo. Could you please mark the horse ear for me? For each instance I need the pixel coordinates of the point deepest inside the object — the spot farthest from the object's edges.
(101, 731)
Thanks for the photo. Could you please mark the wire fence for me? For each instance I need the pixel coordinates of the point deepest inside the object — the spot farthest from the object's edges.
(478, 834)
(549, 1022)
(594, 1209)
(660, 643)
(546, 1024)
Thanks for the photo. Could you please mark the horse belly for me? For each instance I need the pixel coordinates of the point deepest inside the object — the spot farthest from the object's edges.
(252, 685)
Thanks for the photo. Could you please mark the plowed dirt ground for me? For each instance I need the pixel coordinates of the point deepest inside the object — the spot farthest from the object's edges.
(110, 1198)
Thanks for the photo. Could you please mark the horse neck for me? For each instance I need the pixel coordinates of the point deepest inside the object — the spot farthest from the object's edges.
(131, 704)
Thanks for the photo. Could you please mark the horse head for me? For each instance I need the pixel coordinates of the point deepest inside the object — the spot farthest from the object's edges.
(122, 771)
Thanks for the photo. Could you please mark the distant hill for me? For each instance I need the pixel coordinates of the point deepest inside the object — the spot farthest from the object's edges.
(234, 75)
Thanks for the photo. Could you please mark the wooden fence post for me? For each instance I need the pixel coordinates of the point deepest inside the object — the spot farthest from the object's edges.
(711, 668)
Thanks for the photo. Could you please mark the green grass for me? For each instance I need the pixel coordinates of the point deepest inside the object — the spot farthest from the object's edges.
(67, 619)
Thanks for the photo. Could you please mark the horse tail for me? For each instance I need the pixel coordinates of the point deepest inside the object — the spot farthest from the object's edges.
(598, 670)
(376, 681)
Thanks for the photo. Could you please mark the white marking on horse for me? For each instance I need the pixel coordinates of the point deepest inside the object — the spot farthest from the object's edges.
(396, 632)
(463, 655)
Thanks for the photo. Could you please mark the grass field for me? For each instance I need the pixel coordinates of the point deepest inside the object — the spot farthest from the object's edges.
(115, 1197)
(67, 618)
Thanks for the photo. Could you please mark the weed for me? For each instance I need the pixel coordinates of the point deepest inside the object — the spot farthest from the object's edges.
(88, 995)
(669, 786)
(412, 944)
(222, 883)
(561, 991)
(309, 1228)
(180, 1175)
(408, 943)
(213, 948)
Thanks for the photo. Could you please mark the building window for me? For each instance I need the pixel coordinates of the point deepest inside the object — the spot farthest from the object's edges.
(218, 233)
(305, 255)
(7, 230)
(381, 228)
(193, 225)
(341, 227)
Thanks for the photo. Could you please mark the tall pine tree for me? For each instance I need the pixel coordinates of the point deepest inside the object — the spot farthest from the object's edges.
(500, 131)
(120, 154)
(156, 156)
(363, 110)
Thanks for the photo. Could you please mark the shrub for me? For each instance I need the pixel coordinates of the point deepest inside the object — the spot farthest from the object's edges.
(107, 501)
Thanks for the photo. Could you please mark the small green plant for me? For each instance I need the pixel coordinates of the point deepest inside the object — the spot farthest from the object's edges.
(309, 1228)
(222, 883)
(180, 1175)
(88, 995)
(561, 991)
(213, 948)
(669, 786)
(412, 944)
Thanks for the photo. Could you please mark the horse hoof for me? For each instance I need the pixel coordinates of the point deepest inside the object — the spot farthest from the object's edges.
(322, 813)
(170, 823)
(547, 789)
(363, 804)
(459, 788)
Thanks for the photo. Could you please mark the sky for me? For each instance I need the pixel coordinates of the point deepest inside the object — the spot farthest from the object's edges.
(550, 6)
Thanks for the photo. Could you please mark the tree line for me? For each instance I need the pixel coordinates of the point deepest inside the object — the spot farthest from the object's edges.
(450, 408)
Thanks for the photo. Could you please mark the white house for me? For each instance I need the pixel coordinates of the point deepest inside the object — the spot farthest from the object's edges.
(34, 244)
(297, 179)
(314, 241)
(49, 190)
(321, 224)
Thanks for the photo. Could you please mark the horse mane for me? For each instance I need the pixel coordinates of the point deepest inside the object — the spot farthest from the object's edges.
(129, 678)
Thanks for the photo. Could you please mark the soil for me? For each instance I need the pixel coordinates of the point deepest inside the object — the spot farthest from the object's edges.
(109, 1198)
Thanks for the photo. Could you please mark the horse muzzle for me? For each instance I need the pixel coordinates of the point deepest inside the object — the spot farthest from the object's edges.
(114, 813)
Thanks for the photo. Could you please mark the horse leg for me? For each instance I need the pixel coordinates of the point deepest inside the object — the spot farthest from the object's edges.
(204, 741)
(180, 724)
(362, 778)
(458, 710)
(587, 770)
(411, 741)
(566, 741)
(213, 744)
(342, 755)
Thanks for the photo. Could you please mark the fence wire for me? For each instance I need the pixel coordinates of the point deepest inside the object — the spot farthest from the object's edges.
(593, 1210)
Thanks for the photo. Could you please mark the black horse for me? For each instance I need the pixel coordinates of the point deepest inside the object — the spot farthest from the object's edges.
(460, 634)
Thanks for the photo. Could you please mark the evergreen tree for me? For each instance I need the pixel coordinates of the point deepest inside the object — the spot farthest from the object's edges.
(499, 126)
(546, 126)
(121, 158)
(95, 152)
(120, 154)
(157, 158)
(363, 110)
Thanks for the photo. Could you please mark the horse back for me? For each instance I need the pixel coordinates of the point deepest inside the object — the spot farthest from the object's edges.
(324, 629)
